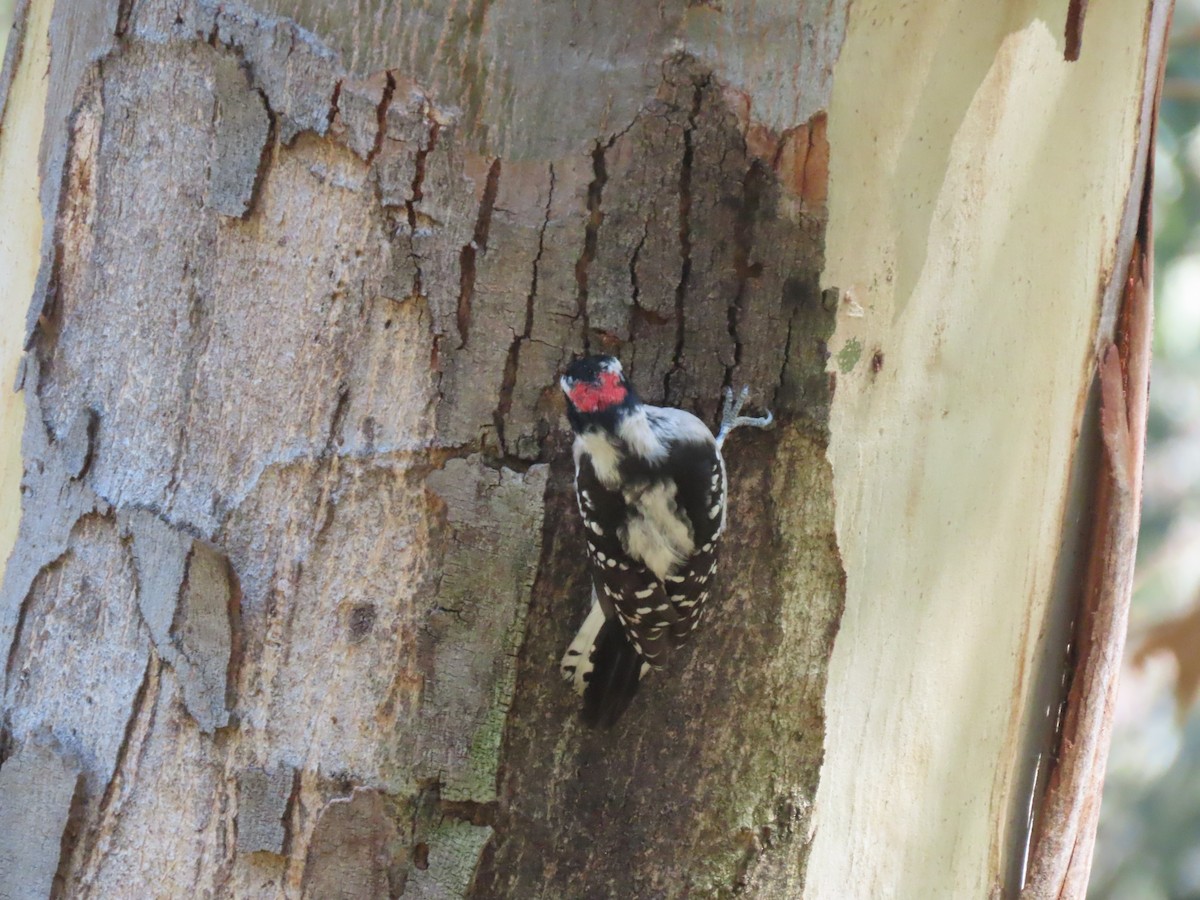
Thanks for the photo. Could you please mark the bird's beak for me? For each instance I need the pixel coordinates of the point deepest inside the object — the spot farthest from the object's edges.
(566, 384)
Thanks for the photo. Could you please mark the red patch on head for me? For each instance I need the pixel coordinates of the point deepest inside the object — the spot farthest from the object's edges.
(590, 398)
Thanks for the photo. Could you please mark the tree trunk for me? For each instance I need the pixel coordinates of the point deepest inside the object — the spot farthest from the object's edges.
(298, 551)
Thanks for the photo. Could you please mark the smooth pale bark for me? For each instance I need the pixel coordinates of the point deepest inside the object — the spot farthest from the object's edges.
(298, 549)
(976, 273)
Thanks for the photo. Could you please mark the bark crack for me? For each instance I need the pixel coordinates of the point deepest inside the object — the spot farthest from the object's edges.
(389, 90)
(237, 640)
(787, 355)
(752, 191)
(685, 231)
(129, 758)
(477, 245)
(509, 380)
(416, 195)
(44, 312)
(591, 233)
(70, 839)
(336, 421)
(124, 11)
(333, 105)
(23, 609)
(293, 822)
(634, 287)
(264, 158)
(291, 814)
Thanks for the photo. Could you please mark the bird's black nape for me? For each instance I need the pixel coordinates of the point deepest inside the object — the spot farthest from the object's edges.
(588, 368)
(617, 669)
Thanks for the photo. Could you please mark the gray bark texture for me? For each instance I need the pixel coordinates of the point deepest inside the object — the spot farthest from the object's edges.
(299, 550)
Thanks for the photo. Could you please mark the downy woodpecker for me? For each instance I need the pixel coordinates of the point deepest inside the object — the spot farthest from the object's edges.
(650, 484)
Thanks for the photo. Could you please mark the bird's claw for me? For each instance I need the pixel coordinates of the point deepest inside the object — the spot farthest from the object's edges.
(730, 418)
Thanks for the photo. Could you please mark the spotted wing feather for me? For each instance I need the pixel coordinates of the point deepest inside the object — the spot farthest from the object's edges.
(700, 477)
(625, 588)
(656, 615)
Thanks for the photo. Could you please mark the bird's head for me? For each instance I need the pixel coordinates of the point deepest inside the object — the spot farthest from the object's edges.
(596, 389)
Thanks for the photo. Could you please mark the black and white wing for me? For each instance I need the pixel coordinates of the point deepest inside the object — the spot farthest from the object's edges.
(649, 606)
(628, 592)
(699, 475)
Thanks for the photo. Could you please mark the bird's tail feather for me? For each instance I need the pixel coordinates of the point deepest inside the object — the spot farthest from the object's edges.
(616, 671)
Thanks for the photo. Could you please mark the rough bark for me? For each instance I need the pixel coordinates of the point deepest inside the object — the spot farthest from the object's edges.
(299, 549)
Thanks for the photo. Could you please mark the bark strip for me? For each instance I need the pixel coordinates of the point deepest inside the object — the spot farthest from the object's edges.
(1061, 861)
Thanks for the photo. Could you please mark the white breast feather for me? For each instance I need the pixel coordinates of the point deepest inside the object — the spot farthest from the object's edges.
(660, 537)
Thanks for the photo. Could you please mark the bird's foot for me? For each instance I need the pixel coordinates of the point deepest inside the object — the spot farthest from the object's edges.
(730, 418)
